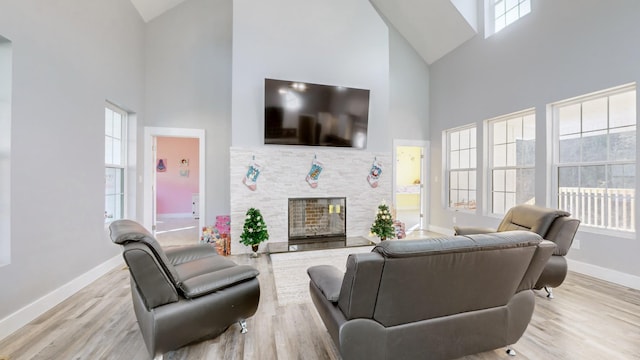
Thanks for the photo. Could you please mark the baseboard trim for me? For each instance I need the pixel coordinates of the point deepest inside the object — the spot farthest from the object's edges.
(613, 276)
(22, 317)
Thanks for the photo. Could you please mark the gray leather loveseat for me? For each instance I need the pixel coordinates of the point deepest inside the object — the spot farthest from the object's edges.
(183, 294)
(552, 224)
(433, 298)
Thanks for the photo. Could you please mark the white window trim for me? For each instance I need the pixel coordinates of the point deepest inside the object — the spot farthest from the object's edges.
(125, 158)
(555, 156)
(488, 160)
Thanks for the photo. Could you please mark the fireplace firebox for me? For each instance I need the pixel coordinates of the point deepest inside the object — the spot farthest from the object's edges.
(313, 220)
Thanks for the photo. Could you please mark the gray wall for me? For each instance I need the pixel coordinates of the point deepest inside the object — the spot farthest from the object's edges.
(188, 84)
(562, 49)
(408, 90)
(69, 56)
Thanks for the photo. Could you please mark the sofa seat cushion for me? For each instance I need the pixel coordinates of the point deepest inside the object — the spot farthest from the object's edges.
(328, 279)
(216, 280)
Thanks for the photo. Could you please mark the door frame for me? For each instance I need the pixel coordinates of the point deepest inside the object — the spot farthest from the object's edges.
(424, 201)
(150, 135)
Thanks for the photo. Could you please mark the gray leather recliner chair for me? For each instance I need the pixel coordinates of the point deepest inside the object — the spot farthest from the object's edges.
(554, 225)
(432, 298)
(183, 294)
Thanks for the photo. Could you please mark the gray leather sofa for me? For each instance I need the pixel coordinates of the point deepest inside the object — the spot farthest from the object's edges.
(554, 225)
(183, 294)
(433, 298)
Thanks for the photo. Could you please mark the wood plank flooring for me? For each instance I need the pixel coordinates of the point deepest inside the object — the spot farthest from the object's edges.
(588, 319)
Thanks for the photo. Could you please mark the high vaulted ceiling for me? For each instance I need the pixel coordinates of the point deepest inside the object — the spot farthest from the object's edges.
(432, 27)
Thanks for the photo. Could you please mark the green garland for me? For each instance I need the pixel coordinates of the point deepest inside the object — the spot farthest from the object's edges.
(255, 229)
(383, 225)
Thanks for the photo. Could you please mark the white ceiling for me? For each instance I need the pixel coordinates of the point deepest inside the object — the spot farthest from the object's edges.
(432, 27)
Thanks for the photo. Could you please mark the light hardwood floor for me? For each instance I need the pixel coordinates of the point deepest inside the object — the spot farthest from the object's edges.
(588, 319)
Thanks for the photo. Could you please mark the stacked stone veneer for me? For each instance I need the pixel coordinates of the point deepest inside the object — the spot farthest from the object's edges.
(284, 169)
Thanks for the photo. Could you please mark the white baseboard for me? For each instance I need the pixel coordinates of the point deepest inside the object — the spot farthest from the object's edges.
(22, 317)
(605, 274)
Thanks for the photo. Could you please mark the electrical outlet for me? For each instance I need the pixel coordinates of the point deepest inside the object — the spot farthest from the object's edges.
(453, 219)
(574, 245)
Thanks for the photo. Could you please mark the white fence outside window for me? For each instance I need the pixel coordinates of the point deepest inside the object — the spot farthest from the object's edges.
(599, 207)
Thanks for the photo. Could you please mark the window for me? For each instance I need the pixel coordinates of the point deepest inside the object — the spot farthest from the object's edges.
(115, 121)
(505, 12)
(512, 157)
(5, 149)
(461, 168)
(596, 158)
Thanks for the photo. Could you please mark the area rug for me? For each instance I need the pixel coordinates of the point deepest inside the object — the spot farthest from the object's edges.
(290, 270)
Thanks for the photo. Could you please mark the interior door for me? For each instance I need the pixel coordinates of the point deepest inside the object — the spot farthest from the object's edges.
(410, 186)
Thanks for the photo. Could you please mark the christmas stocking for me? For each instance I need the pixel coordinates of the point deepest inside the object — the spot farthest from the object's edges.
(374, 173)
(314, 173)
(251, 178)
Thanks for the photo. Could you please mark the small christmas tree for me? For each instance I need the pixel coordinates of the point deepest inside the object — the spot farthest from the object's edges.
(383, 225)
(255, 229)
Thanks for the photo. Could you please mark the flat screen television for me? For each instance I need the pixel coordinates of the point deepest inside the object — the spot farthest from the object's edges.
(299, 113)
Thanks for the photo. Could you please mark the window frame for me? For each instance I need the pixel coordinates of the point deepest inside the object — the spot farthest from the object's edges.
(557, 165)
(491, 15)
(489, 148)
(447, 168)
(122, 165)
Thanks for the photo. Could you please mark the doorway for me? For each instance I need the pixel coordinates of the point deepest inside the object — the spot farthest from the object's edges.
(180, 167)
(410, 174)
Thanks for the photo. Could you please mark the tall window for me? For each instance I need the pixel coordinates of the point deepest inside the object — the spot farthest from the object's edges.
(596, 158)
(461, 168)
(115, 121)
(512, 156)
(505, 12)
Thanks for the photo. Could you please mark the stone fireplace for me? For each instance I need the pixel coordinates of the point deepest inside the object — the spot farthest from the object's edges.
(313, 220)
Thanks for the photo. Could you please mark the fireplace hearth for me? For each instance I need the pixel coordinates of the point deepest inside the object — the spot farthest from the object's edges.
(317, 220)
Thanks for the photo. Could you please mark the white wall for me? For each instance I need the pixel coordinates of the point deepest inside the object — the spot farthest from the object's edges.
(560, 50)
(188, 84)
(333, 42)
(69, 56)
(409, 90)
(5, 149)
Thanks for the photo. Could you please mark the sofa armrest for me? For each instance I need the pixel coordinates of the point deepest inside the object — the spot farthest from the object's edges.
(182, 254)
(207, 283)
(328, 279)
(470, 230)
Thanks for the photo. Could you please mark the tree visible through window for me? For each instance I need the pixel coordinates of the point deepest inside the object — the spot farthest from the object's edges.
(461, 168)
(114, 159)
(596, 158)
(512, 157)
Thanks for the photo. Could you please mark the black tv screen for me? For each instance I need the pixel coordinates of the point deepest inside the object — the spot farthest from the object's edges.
(299, 113)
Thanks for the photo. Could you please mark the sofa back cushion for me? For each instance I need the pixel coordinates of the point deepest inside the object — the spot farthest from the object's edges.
(424, 279)
(530, 218)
